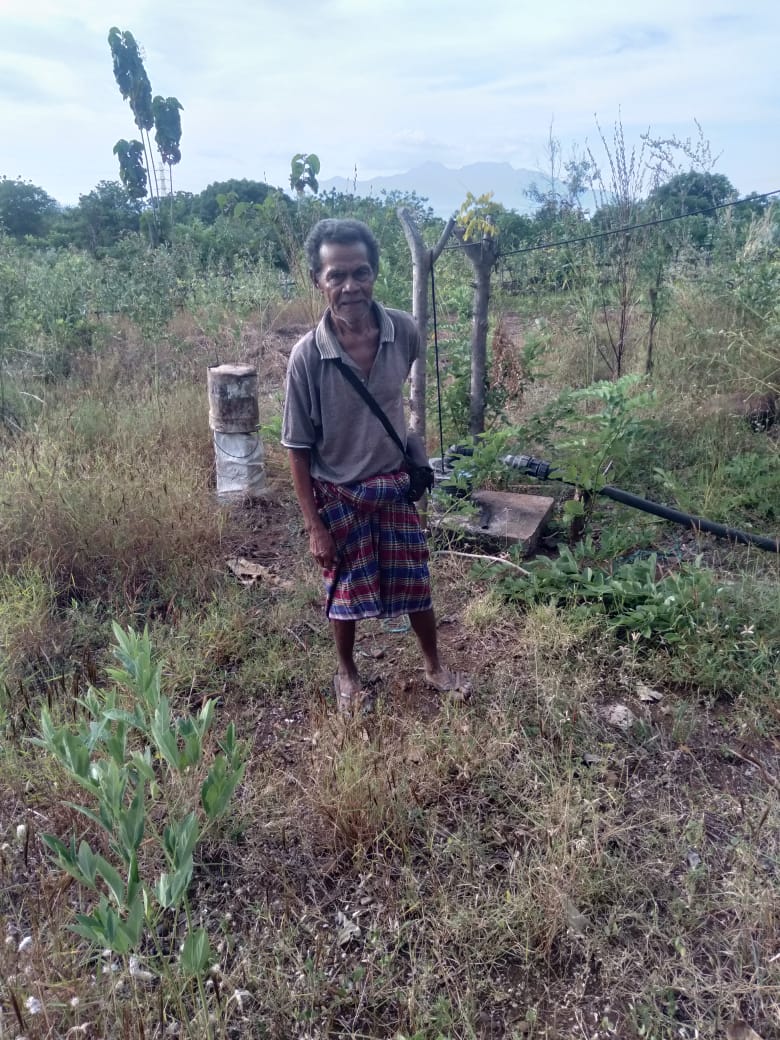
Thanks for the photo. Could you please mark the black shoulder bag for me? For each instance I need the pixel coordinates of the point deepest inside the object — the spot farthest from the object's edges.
(420, 476)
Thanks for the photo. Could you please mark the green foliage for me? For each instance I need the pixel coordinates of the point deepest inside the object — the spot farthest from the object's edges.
(478, 217)
(207, 206)
(690, 192)
(131, 77)
(587, 446)
(25, 209)
(754, 283)
(303, 173)
(711, 635)
(196, 954)
(132, 171)
(101, 218)
(752, 486)
(456, 387)
(167, 128)
(136, 763)
(630, 597)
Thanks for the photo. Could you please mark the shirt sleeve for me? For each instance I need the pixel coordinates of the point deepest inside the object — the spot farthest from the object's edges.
(299, 417)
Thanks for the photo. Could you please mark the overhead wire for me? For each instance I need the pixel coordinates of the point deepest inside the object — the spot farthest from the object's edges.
(627, 228)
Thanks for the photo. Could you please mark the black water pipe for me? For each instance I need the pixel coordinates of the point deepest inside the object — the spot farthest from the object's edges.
(542, 471)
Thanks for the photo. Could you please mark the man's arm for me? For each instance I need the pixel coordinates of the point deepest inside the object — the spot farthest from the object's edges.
(321, 544)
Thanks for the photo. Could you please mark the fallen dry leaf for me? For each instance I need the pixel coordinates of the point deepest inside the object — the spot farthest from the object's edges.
(249, 573)
(348, 930)
(647, 693)
(620, 716)
(576, 920)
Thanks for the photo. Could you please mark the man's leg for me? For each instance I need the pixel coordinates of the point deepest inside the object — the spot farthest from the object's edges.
(344, 638)
(423, 623)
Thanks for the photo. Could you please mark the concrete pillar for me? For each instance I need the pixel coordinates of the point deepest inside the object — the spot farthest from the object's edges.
(234, 417)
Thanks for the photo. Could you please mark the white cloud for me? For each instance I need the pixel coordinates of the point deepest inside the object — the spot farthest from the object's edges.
(384, 86)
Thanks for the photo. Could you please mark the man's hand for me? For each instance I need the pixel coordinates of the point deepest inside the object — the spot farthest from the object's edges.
(322, 546)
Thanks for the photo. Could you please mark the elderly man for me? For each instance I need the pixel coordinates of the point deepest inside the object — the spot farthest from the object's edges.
(347, 469)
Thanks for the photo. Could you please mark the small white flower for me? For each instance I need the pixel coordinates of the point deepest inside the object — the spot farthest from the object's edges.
(74, 1002)
(25, 944)
(21, 832)
(33, 1005)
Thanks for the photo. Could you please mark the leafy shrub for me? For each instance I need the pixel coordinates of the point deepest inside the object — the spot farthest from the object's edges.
(712, 635)
(631, 598)
(137, 765)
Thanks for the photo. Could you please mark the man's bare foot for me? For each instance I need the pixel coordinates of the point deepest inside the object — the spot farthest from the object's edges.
(454, 685)
(351, 697)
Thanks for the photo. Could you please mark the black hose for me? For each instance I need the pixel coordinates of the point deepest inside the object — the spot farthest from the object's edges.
(695, 523)
(542, 470)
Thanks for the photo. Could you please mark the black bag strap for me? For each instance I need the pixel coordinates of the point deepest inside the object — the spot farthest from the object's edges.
(370, 400)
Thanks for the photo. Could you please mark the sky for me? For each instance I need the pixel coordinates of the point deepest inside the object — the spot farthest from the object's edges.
(379, 86)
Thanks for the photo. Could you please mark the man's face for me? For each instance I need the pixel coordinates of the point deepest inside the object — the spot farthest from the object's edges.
(346, 280)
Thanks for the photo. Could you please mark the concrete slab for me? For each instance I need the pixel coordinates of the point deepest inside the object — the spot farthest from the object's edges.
(505, 519)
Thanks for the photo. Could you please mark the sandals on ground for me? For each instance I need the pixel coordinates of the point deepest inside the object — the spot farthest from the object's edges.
(352, 703)
(454, 686)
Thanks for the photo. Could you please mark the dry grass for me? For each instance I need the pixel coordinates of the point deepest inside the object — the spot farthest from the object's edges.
(517, 867)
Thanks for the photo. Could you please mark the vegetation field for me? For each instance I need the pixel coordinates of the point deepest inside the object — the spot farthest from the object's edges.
(193, 844)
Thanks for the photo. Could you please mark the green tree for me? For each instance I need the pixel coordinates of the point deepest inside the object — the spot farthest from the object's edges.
(691, 193)
(136, 167)
(25, 209)
(477, 232)
(135, 88)
(99, 220)
(207, 206)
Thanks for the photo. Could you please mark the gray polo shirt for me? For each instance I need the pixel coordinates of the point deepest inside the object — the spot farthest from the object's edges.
(324, 413)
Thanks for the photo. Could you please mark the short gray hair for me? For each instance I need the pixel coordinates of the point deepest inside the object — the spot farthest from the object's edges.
(343, 232)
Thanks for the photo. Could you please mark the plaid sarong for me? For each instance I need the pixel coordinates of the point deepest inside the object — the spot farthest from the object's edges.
(383, 556)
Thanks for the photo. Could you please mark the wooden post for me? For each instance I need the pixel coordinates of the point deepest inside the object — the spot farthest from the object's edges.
(483, 256)
(423, 260)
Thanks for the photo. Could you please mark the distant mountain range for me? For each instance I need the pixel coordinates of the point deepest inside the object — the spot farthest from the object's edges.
(446, 189)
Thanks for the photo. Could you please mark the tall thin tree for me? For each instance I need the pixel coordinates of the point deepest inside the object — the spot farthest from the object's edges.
(159, 113)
